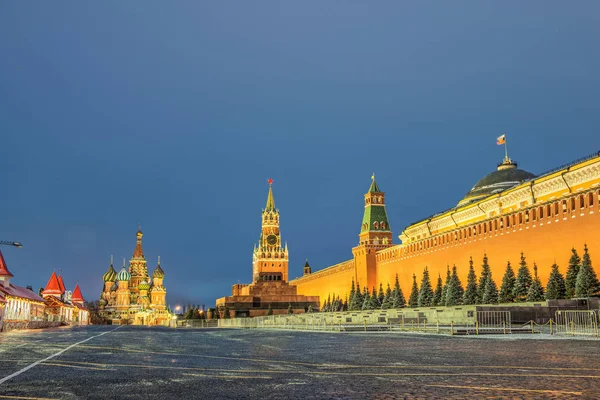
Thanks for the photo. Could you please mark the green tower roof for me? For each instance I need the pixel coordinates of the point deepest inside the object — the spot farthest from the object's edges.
(375, 217)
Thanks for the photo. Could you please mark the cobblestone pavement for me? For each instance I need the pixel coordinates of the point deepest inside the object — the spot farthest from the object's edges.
(103, 362)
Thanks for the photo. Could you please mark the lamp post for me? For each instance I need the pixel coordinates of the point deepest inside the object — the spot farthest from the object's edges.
(9, 243)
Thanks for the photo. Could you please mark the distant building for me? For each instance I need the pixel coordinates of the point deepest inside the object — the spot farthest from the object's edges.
(63, 305)
(18, 305)
(270, 288)
(130, 297)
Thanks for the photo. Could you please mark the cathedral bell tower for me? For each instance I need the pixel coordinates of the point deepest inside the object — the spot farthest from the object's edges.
(270, 258)
(375, 234)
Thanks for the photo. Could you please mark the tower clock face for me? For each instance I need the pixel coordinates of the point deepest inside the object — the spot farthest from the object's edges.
(272, 240)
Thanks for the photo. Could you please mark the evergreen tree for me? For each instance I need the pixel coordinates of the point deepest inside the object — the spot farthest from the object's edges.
(471, 295)
(380, 295)
(398, 299)
(455, 291)
(356, 300)
(536, 290)
(270, 310)
(508, 284)
(445, 288)
(523, 282)
(388, 301)
(413, 300)
(374, 300)
(485, 276)
(290, 309)
(490, 293)
(439, 289)
(352, 291)
(572, 271)
(345, 306)
(366, 300)
(587, 282)
(556, 285)
(425, 298)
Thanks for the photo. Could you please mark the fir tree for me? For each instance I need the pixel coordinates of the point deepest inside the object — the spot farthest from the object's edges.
(398, 299)
(366, 300)
(439, 289)
(471, 295)
(508, 284)
(587, 282)
(455, 291)
(290, 309)
(270, 310)
(380, 295)
(345, 306)
(485, 276)
(572, 271)
(352, 291)
(556, 285)
(536, 290)
(490, 293)
(374, 300)
(388, 301)
(413, 300)
(425, 298)
(445, 288)
(523, 282)
(356, 300)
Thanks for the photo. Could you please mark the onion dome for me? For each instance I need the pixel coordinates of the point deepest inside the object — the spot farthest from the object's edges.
(123, 275)
(102, 302)
(110, 275)
(505, 177)
(144, 285)
(158, 272)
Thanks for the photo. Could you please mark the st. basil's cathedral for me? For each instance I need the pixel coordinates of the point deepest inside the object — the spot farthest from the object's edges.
(130, 297)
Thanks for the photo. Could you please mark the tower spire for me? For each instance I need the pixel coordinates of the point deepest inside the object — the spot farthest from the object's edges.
(270, 200)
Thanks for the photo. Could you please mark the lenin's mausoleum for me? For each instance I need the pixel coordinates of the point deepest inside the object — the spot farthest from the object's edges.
(507, 212)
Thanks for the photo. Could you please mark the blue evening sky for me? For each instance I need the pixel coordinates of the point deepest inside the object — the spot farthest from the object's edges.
(174, 114)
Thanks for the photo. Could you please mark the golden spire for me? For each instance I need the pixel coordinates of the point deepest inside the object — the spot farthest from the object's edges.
(270, 200)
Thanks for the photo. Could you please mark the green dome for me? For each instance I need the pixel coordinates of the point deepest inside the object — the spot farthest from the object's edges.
(144, 285)
(158, 272)
(505, 177)
(110, 275)
(123, 275)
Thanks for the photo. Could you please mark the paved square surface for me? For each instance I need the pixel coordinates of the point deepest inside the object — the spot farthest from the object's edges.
(102, 362)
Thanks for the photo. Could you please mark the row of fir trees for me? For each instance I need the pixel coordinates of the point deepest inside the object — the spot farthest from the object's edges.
(580, 281)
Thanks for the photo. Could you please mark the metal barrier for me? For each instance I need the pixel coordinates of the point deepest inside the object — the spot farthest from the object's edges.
(497, 320)
(570, 322)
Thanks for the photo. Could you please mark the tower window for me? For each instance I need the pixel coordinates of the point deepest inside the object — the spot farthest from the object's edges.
(376, 225)
(382, 225)
(591, 199)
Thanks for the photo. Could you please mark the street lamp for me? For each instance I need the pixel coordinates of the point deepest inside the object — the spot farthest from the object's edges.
(8, 243)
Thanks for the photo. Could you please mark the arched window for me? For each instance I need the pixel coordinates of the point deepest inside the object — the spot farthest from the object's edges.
(548, 211)
(581, 201)
(541, 212)
(382, 225)
(572, 204)
(591, 199)
(526, 216)
(376, 225)
(556, 209)
(534, 214)
(501, 223)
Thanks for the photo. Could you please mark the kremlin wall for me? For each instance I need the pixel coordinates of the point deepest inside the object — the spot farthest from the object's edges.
(508, 211)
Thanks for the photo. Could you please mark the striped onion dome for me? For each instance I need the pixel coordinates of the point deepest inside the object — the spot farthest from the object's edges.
(144, 285)
(123, 275)
(110, 275)
(158, 272)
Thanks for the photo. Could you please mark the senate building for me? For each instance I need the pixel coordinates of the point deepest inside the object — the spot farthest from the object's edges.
(131, 297)
(509, 211)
